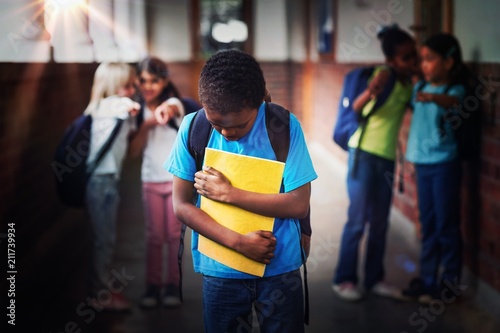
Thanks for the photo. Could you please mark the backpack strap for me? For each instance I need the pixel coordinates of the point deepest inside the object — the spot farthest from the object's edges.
(278, 130)
(104, 149)
(389, 86)
(420, 85)
(198, 135)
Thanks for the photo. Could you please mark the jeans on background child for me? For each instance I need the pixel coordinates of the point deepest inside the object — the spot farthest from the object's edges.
(102, 201)
(370, 195)
(438, 200)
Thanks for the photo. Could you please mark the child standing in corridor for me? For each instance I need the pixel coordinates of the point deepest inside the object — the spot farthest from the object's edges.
(112, 110)
(161, 114)
(372, 155)
(433, 149)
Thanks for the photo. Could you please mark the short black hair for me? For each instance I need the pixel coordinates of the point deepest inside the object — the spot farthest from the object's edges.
(230, 81)
(391, 37)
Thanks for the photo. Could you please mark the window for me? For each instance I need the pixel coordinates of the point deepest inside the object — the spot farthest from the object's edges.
(325, 27)
(76, 30)
(222, 25)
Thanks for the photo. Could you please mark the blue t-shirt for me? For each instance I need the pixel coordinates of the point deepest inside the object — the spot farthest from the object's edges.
(299, 171)
(426, 143)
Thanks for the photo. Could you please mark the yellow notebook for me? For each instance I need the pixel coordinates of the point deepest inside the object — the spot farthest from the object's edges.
(248, 173)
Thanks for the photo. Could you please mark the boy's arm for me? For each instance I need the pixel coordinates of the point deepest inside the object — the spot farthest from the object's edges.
(214, 185)
(258, 245)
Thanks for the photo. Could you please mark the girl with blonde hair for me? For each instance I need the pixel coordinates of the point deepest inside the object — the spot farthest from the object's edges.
(113, 113)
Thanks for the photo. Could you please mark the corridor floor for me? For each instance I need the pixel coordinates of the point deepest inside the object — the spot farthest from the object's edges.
(53, 299)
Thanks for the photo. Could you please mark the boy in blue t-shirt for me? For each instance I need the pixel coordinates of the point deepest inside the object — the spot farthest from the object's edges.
(232, 89)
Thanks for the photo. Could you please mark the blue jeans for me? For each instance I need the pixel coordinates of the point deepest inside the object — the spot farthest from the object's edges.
(102, 198)
(278, 303)
(439, 207)
(370, 195)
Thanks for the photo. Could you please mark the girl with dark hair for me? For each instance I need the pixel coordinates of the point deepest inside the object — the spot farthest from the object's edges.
(433, 149)
(369, 188)
(161, 114)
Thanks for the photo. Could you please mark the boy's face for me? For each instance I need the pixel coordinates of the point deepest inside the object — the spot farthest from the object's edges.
(233, 125)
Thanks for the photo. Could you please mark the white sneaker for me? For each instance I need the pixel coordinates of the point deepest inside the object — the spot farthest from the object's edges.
(385, 289)
(347, 291)
(171, 301)
(171, 297)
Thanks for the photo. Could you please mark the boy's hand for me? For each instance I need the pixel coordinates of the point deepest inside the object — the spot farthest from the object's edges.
(212, 184)
(258, 245)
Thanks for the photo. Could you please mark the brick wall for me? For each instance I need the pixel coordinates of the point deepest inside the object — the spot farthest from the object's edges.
(279, 82)
(482, 232)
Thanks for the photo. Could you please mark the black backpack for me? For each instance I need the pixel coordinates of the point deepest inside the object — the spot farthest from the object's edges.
(348, 121)
(278, 130)
(70, 160)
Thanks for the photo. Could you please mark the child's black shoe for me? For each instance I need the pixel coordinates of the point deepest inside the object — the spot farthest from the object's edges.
(417, 291)
(151, 298)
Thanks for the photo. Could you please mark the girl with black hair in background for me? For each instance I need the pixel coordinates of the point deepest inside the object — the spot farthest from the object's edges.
(161, 114)
(370, 190)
